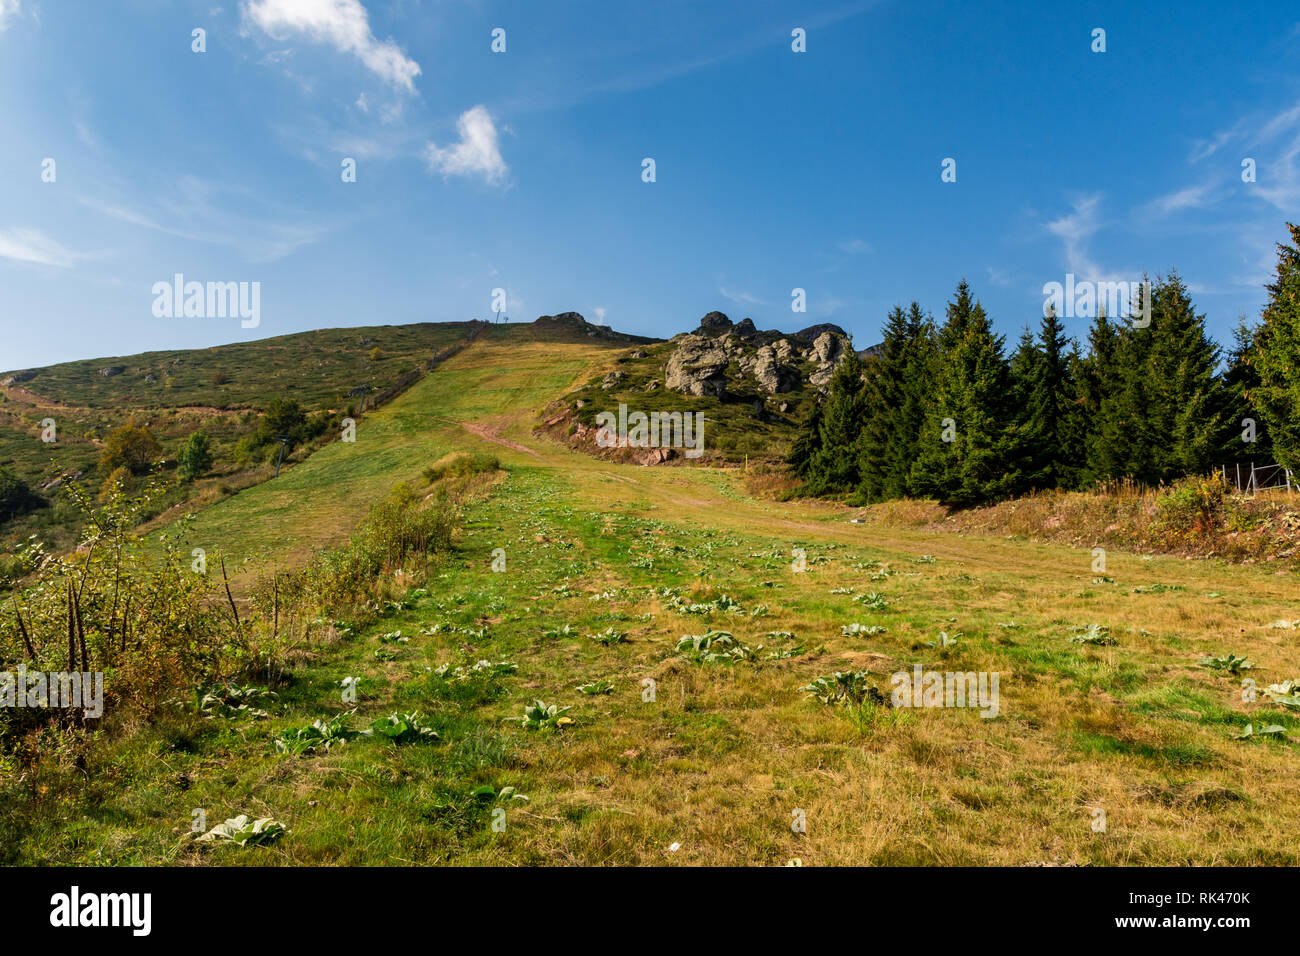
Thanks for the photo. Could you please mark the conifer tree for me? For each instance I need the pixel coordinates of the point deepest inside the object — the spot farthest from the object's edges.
(1278, 358)
(1244, 417)
(1184, 407)
(898, 384)
(967, 453)
(1053, 448)
(833, 467)
(806, 443)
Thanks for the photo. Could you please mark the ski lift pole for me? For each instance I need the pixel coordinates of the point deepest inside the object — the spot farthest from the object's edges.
(283, 442)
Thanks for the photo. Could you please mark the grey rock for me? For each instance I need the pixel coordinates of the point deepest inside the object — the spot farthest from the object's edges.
(773, 376)
(698, 367)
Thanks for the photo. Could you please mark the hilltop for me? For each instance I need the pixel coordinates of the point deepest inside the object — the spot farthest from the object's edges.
(754, 386)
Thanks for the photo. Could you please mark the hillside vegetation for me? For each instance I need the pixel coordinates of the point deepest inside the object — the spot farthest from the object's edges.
(549, 683)
(241, 397)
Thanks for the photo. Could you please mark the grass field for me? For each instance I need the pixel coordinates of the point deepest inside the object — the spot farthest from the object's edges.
(714, 768)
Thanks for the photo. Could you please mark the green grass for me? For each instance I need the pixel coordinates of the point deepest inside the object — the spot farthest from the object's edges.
(724, 752)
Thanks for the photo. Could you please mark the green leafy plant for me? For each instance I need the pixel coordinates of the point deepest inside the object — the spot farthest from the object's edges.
(490, 794)
(320, 735)
(541, 716)
(944, 640)
(242, 831)
(1271, 730)
(1231, 663)
(609, 637)
(873, 601)
(483, 669)
(403, 728)
(844, 687)
(1285, 694)
(1096, 634)
(596, 687)
(853, 630)
(232, 700)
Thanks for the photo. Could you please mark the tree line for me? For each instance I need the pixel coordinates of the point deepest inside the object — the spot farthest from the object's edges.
(945, 412)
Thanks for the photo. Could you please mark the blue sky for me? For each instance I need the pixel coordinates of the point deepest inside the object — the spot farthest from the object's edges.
(522, 170)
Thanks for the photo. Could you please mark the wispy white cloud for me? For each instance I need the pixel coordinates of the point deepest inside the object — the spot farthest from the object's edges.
(32, 245)
(343, 24)
(740, 298)
(477, 153)
(854, 247)
(196, 219)
(8, 10)
(1075, 232)
(999, 277)
(1191, 197)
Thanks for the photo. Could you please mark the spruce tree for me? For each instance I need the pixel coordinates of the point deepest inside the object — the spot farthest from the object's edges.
(967, 453)
(1278, 358)
(1053, 443)
(833, 467)
(806, 443)
(897, 392)
(1241, 384)
(1184, 408)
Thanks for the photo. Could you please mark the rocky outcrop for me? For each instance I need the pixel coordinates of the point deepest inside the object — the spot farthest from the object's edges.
(772, 375)
(714, 324)
(814, 332)
(698, 367)
(828, 350)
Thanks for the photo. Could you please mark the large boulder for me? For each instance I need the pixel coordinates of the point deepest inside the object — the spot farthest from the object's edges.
(828, 350)
(715, 323)
(773, 376)
(698, 367)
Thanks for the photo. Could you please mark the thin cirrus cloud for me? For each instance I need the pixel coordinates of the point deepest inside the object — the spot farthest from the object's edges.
(8, 10)
(343, 24)
(476, 154)
(32, 245)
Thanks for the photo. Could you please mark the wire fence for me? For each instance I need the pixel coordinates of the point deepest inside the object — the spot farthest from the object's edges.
(1252, 478)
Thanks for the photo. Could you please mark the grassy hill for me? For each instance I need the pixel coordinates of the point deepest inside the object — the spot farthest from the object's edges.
(221, 390)
(710, 762)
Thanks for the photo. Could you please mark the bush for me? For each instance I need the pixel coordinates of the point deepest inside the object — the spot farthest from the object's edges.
(195, 456)
(460, 465)
(118, 482)
(132, 447)
(1192, 505)
(283, 418)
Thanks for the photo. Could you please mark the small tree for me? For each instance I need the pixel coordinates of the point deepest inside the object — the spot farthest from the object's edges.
(132, 447)
(284, 418)
(195, 456)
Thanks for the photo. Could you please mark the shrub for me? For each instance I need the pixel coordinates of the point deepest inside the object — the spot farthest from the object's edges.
(283, 418)
(195, 456)
(460, 465)
(132, 447)
(1192, 505)
(118, 482)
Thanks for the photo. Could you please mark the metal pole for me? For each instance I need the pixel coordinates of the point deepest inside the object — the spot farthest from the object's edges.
(283, 441)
